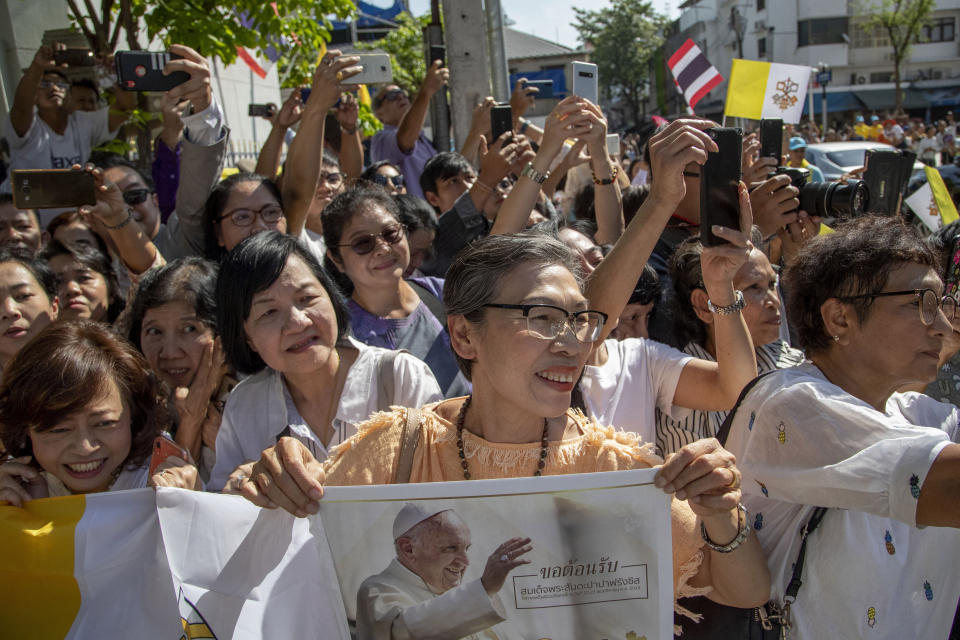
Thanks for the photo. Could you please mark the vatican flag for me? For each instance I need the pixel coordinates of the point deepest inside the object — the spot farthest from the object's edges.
(760, 90)
(932, 202)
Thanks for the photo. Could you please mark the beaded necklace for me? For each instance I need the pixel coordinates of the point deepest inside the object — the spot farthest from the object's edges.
(463, 456)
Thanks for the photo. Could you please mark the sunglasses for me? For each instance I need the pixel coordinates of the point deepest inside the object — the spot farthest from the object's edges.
(136, 196)
(46, 84)
(397, 180)
(367, 243)
(390, 96)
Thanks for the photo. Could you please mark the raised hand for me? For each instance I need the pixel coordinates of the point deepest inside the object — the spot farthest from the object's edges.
(680, 143)
(328, 79)
(197, 89)
(502, 561)
(720, 263)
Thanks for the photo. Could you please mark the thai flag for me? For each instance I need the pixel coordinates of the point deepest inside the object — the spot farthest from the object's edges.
(693, 73)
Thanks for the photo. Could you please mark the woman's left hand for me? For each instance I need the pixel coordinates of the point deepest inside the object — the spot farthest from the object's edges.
(720, 263)
(110, 209)
(177, 473)
(705, 475)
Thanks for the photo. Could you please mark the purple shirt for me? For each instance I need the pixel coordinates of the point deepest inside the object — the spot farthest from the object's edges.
(166, 177)
(384, 147)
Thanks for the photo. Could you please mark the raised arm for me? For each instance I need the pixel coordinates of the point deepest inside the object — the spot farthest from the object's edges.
(606, 192)
(268, 161)
(479, 126)
(351, 147)
(521, 100)
(412, 123)
(21, 114)
(303, 158)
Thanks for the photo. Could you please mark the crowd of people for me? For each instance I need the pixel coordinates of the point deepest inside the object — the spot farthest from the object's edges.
(532, 305)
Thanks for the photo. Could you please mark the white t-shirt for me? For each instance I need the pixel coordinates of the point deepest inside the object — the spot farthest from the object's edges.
(260, 409)
(639, 375)
(869, 572)
(42, 148)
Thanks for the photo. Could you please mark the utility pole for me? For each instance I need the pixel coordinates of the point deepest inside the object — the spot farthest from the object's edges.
(467, 61)
(499, 72)
(439, 108)
(824, 76)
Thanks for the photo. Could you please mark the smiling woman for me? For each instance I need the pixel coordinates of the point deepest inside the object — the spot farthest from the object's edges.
(86, 283)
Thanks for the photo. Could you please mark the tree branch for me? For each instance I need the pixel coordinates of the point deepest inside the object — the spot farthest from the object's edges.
(82, 21)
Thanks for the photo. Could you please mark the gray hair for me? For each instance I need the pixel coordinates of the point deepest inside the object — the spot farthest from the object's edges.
(473, 279)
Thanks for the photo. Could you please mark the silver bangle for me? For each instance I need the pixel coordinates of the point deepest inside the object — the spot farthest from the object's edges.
(736, 307)
(533, 174)
(742, 534)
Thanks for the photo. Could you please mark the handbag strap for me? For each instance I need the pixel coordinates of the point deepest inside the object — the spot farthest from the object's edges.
(409, 437)
(434, 304)
(793, 588)
(724, 432)
(385, 384)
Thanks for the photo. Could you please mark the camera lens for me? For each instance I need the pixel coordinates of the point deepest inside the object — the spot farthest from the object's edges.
(834, 200)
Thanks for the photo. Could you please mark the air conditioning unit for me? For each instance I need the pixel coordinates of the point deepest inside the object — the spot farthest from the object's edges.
(937, 74)
(760, 25)
(861, 80)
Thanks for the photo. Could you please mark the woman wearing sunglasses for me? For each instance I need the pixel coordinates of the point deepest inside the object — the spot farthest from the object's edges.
(387, 175)
(368, 244)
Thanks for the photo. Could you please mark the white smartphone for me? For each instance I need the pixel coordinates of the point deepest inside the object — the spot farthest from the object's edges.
(613, 144)
(585, 81)
(376, 69)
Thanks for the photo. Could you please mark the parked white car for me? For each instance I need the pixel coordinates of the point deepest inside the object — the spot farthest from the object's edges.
(836, 158)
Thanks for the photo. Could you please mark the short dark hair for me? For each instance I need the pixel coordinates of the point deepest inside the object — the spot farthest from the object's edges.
(251, 267)
(191, 280)
(66, 365)
(86, 83)
(55, 72)
(37, 267)
(97, 261)
(416, 213)
(109, 160)
(369, 172)
(854, 260)
(344, 206)
(73, 217)
(217, 202)
(443, 166)
(584, 207)
(686, 273)
(633, 198)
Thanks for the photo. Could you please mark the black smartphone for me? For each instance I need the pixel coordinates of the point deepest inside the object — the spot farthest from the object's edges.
(544, 87)
(143, 71)
(882, 177)
(52, 188)
(501, 120)
(907, 160)
(719, 183)
(74, 57)
(771, 139)
(262, 110)
(305, 94)
(437, 52)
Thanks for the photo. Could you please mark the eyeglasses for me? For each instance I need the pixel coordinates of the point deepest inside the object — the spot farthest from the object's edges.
(547, 321)
(397, 180)
(46, 84)
(690, 174)
(245, 217)
(930, 303)
(332, 179)
(390, 96)
(136, 196)
(367, 243)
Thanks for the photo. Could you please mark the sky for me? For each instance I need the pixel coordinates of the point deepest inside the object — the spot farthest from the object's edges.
(548, 19)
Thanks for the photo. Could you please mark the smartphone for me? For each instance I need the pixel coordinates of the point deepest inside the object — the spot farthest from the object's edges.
(164, 447)
(719, 182)
(545, 87)
(75, 57)
(262, 110)
(52, 188)
(305, 94)
(585, 81)
(882, 177)
(437, 52)
(771, 139)
(376, 69)
(143, 71)
(907, 160)
(613, 144)
(501, 120)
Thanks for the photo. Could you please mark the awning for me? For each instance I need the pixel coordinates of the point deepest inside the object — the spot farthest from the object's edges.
(879, 99)
(944, 97)
(836, 101)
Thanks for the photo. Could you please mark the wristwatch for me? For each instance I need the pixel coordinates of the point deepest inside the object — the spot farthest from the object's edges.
(533, 174)
(742, 533)
(736, 307)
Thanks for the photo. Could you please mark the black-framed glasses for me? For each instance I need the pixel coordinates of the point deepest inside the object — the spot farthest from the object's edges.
(270, 214)
(368, 242)
(397, 181)
(929, 301)
(134, 197)
(547, 321)
(46, 84)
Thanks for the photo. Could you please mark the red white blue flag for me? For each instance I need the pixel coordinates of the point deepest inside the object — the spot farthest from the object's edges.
(693, 73)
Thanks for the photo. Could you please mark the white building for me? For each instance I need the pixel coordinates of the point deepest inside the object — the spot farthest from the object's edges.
(831, 32)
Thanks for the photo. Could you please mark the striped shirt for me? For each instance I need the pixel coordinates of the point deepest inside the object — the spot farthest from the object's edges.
(674, 434)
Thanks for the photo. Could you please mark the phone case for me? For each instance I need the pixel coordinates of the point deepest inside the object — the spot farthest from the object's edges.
(719, 181)
(254, 110)
(585, 81)
(545, 87)
(74, 57)
(143, 71)
(613, 144)
(438, 52)
(771, 138)
(163, 448)
(501, 120)
(52, 188)
(882, 177)
(376, 69)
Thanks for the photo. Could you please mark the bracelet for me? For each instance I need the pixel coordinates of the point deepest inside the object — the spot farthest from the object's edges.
(349, 132)
(736, 307)
(533, 174)
(523, 127)
(744, 530)
(122, 224)
(613, 176)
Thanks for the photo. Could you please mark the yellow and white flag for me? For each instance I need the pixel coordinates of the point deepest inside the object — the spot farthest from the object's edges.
(932, 202)
(760, 90)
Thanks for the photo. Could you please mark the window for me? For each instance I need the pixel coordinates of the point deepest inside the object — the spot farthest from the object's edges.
(762, 48)
(881, 76)
(864, 38)
(761, 5)
(938, 30)
(821, 31)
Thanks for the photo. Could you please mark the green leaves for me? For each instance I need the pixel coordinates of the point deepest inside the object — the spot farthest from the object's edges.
(405, 46)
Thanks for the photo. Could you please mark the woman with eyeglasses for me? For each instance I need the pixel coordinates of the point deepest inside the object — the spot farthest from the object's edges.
(522, 330)
(387, 175)
(695, 328)
(868, 306)
(368, 244)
